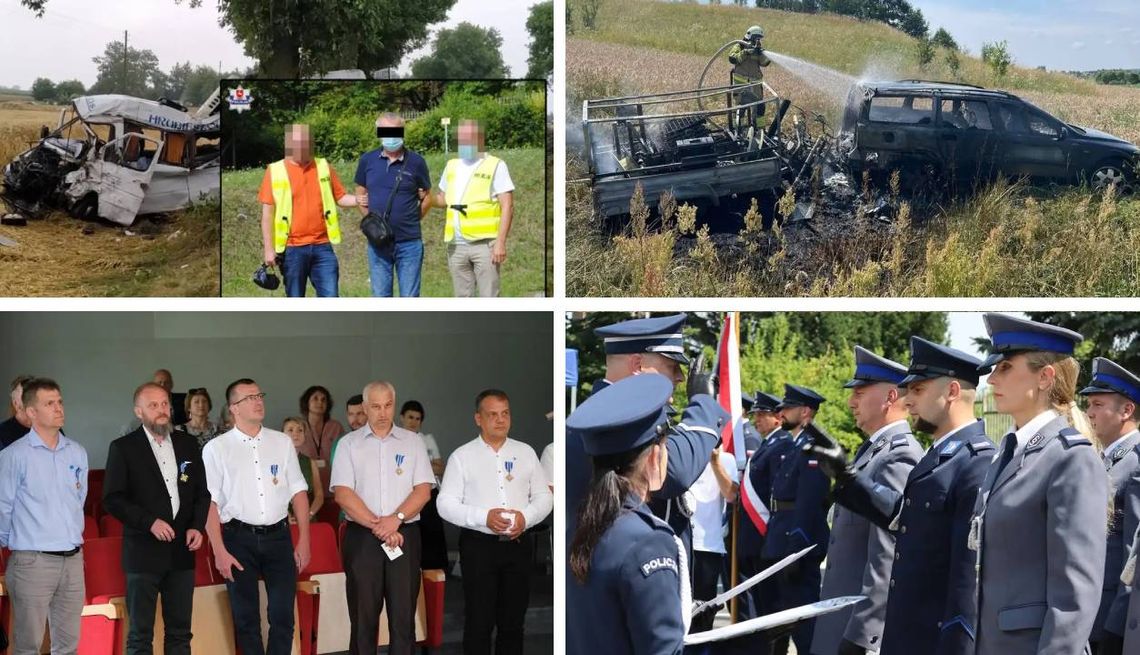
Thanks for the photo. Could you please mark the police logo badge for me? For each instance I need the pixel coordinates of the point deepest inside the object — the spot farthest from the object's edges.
(239, 99)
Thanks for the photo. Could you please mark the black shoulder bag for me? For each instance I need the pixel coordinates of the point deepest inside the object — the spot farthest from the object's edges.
(377, 228)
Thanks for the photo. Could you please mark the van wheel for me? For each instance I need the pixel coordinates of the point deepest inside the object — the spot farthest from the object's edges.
(87, 208)
(1111, 173)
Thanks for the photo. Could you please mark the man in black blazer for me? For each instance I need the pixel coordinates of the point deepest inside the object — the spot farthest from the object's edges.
(156, 486)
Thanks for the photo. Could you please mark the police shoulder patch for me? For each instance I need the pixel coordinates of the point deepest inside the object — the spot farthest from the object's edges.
(950, 447)
(981, 446)
(662, 563)
(900, 441)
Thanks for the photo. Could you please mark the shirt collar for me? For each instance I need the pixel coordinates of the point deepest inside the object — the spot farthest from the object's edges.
(38, 442)
(154, 440)
(488, 446)
(878, 433)
(403, 151)
(769, 436)
(392, 432)
(950, 434)
(1036, 423)
(246, 438)
(1112, 447)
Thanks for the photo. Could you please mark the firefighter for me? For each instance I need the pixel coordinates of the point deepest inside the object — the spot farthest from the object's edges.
(748, 60)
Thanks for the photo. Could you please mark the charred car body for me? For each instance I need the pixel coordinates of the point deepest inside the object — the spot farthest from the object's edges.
(968, 134)
(116, 157)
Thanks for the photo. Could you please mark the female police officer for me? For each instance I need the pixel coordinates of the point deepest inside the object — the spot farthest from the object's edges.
(1039, 524)
(628, 591)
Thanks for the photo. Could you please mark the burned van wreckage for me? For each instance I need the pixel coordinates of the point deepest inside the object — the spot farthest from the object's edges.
(116, 157)
(707, 147)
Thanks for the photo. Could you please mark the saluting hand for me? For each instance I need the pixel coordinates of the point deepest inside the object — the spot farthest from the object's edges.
(193, 539)
(225, 563)
(496, 522)
(162, 530)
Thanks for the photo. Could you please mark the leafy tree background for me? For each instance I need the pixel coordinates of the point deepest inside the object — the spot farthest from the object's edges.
(466, 51)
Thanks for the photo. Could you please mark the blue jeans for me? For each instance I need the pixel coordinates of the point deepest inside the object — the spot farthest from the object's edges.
(406, 258)
(270, 557)
(316, 263)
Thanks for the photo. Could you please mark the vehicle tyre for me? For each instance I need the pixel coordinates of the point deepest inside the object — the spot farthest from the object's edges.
(1113, 172)
(87, 208)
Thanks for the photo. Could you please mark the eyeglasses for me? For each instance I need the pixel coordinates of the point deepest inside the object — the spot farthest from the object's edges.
(252, 396)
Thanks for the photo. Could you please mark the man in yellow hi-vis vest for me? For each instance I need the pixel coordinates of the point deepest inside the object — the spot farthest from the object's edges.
(299, 223)
(477, 195)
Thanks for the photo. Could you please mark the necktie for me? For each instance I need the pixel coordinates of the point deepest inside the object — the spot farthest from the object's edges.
(1008, 445)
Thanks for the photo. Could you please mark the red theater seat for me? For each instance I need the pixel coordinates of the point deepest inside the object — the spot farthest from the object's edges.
(104, 614)
(110, 526)
(325, 558)
(90, 528)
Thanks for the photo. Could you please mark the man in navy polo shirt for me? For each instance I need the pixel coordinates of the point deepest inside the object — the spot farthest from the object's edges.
(392, 169)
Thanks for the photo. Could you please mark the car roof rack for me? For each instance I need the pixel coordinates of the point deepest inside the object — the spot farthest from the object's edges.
(916, 81)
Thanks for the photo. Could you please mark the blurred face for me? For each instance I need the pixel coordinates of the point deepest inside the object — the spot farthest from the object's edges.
(412, 420)
(356, 416)
(1017, 388)
(199, 406)
(318, 402)
(47, 411)
(494, 418)
(153, 409)
(380, 405)
(765, 422)
(296, 432)
(471, 134)
(869, 404)
(163, 379)
(298, 144)
(927, 401)
(1108, 412)
(248, 404)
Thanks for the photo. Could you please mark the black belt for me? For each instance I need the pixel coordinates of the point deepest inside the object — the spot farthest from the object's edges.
(61, 553)
(783, 505)
(257, 529)
(483, 536)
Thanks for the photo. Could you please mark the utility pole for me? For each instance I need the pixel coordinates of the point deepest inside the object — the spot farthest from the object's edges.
(124, 89)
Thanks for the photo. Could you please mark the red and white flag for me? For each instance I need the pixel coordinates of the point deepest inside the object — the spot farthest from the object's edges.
(753, 505)
(728, 388)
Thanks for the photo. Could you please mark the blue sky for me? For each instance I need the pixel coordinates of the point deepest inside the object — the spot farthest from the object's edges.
(1057, 34)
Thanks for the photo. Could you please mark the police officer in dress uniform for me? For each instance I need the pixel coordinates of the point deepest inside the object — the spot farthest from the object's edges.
(860, 555)
(752, 440)
(1131, 577)
(627, 589)
(799, 503)
(1113, 398)
(651, 345)
(750, 543)
(930, 602)
(1039, 525)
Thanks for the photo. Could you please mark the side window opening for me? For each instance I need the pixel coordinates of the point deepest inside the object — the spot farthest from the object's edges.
(910, 110)
(966, 114)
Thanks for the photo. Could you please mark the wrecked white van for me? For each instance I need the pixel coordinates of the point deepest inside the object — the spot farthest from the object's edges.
(116, 157)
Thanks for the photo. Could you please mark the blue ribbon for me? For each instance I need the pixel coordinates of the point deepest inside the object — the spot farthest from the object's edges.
(182, 466)
(1033, 341)
(399, 459)
(874, 372)
(508, 466)
(273, 470)
(1119, 384)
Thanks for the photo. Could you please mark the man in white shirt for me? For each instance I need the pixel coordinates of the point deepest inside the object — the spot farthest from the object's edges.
(253, 475)
(477, 194)
(494, 489)
(716, 487)
(382, 479)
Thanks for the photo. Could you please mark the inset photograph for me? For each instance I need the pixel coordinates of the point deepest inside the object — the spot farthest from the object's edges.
(385, 188)
(872, 149)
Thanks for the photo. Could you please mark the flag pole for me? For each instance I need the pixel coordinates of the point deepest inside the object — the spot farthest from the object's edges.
(734, 571)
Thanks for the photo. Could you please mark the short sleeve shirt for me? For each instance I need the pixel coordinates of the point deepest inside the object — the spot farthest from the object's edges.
(382, 471)
(378, 174)
(253, 478)
(307, 224)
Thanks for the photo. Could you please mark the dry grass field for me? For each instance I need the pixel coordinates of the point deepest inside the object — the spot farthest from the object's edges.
(53, 256)
(1006, 241)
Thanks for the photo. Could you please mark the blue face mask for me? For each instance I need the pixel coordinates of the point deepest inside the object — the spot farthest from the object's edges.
(468, 152)
(392, 143)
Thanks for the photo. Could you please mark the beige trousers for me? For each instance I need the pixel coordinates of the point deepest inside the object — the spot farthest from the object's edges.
(472, 270)
(45, 589)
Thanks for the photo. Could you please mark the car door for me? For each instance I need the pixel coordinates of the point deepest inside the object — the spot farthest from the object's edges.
(124, 169)
(899, 128)
(1032, 144)
(967, 139)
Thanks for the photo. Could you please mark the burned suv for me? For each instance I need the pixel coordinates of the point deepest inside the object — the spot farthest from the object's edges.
(964, 134)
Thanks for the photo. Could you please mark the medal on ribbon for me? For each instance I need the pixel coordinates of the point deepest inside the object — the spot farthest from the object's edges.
(273, 472)
(509, 466)
(184, 476)
(399, 463)
(78, 476)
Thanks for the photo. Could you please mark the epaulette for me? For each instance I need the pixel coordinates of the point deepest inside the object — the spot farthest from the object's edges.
(980, 445)
(1071, 437)
(949, 448)
(899, 441)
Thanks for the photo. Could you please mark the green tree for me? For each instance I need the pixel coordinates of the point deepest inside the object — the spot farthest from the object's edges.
(588, 11)
(923, 52)
(540, 26)
(68, 90)
(997, 56)
(464, 52)
(942, 39)
(43, 90)
(914, 24)
(292, 38)
(953, 63)
(200, 83)
(177, 79)
(125, 70)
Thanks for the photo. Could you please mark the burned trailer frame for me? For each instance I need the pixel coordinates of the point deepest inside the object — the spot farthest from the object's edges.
(680, 150)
